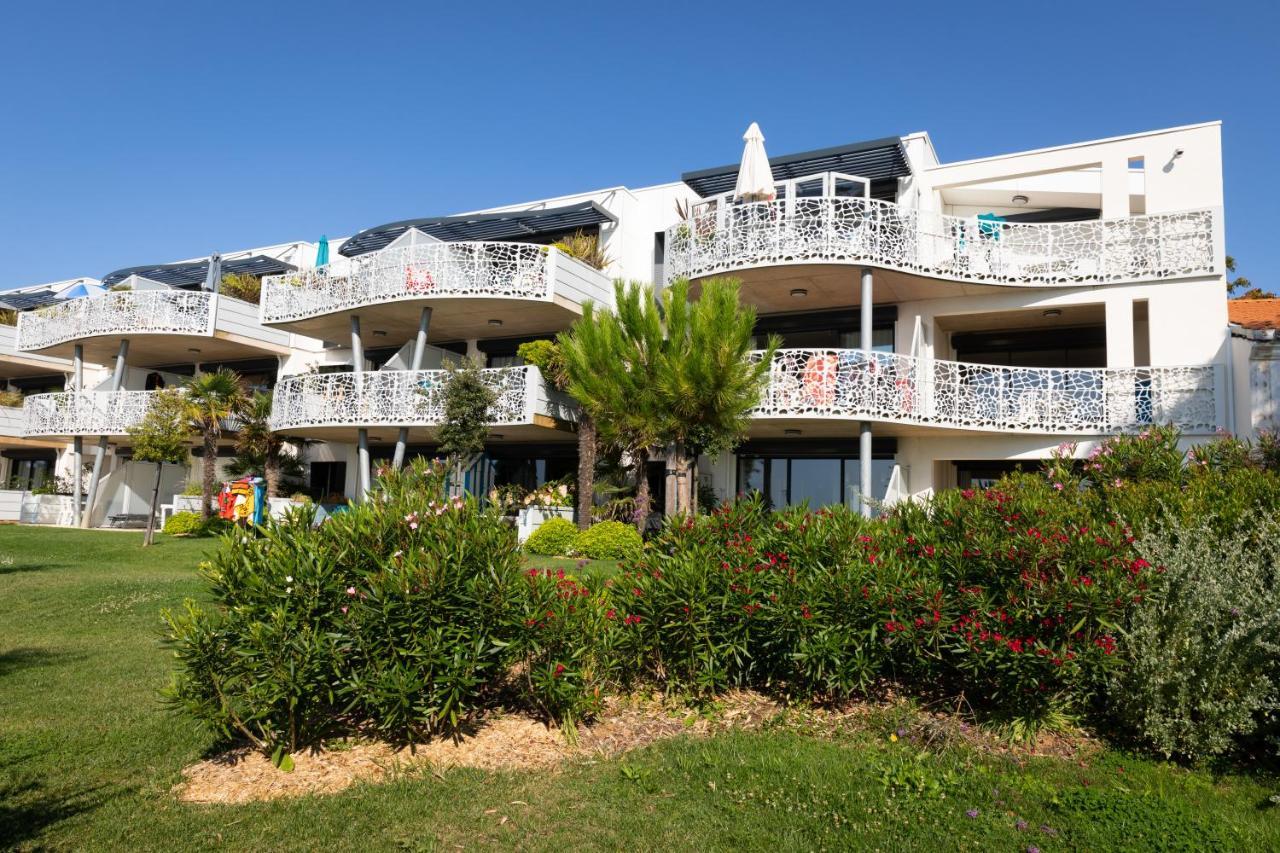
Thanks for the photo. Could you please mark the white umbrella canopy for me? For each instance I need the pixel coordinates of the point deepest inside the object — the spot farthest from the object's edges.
(755, 177)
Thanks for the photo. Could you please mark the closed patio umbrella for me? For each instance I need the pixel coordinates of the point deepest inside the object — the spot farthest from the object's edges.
(213, 278)
(755, 176)
(322, 251)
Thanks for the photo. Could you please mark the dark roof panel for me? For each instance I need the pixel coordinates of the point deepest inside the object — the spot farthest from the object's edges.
(27, 301)
(193, 275)
(509, 225)
(876, 159)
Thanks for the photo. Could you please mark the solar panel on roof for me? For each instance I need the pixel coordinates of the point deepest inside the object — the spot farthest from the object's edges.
(515, 224)
(29, 300)
(193, 275)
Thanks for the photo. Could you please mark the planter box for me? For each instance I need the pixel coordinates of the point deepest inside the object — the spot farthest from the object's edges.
(47, 509)
(531, 517)
(186, 503)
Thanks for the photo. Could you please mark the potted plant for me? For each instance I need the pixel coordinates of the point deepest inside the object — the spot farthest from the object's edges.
(550, 500)
(189, 500)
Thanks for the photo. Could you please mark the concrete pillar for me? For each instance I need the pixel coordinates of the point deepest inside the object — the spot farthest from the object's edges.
(363, 478)
(117, 379)
(864, 434)
(1119, 319)
(419, 353)
(1115, 187)
(77, 443)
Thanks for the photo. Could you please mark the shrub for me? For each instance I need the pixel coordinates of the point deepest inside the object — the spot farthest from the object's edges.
(1202, 647)
(11, 398)
(184, 524)
(555, 537)
(609, 540)
(242, 286)
(390, 617)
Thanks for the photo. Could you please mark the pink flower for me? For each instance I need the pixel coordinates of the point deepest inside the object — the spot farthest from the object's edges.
(351, 590)
(1058, 486)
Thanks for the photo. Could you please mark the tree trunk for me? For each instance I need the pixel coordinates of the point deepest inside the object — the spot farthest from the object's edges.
(640, 465)
(586, 470)
(210, 471)
(271, 473)
(155, 504)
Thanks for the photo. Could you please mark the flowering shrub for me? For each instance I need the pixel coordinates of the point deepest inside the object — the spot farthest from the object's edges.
(1202, 654)
(555, 537)
(609, 540)
(390, 616)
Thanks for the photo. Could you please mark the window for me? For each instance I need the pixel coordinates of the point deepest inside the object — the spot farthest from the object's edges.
(818, 474)
(827, 329)
(328, 479)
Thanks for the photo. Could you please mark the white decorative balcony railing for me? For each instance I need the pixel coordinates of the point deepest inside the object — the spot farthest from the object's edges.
(129, 312)
(841, 383)
(84, 413)
(866, 231)
(406, 398)
(424, 271)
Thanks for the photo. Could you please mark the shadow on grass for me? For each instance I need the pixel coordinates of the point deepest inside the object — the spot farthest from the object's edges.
(29, 658)
(28, 807)
(16, 567)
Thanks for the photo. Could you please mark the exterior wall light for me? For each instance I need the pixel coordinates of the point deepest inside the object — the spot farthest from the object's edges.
(1020, 199)
(194, 350)
(1052, 312)
(379, 333)
(792, 432)
(799, 292)
(495, 322)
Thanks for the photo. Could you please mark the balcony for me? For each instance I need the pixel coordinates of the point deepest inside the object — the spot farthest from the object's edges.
(529, 288)
(163, 326)
(724, 238)
(330, 405)
(821, 384)
(10, 422)
(72, 413)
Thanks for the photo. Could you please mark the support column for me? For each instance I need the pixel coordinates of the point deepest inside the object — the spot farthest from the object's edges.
(77, 443)
(117, 379)
(419, 353)
(864, 436)
(362, 434)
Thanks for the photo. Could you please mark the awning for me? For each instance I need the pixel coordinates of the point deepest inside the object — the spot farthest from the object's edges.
(193, 274)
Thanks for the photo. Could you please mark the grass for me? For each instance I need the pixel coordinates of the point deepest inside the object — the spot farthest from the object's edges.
(582, 567)
(88, 756)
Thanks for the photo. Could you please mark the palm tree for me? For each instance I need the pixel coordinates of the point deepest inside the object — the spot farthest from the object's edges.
(211, 399)
(708, 381)
(610, 361)
(257, 446)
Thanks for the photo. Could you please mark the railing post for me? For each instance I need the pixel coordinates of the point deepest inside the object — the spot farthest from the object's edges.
(77, 442)
(415, 364)
(362, 433)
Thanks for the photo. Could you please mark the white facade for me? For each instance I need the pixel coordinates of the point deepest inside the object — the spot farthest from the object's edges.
(1017, 302)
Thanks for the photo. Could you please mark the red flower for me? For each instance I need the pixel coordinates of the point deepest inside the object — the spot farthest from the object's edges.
(559, 670)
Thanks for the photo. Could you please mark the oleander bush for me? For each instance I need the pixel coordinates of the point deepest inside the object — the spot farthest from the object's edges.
(609, 540)
(1122, 589)
(555, 537)
(1201, 655)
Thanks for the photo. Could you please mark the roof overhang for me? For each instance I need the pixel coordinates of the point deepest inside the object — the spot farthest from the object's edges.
(194, 274)
(875, 159)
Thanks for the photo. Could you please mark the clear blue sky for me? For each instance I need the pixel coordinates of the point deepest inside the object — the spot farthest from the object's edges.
(157, 131)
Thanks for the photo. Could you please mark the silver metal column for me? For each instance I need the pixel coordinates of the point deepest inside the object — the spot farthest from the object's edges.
(117, 379)
(77, 443)
(419, 353)
(362, 434)
(864, 436)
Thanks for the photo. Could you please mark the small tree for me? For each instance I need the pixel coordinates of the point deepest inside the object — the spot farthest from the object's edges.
(1240, 283)
(611, 364)
(211, 399)
(546, 356)
(467, 400)
(258, 447)
(161, 438)
(708, 383)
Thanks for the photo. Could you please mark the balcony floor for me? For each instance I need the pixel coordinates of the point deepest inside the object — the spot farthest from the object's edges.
(149, 349)
(544, 431)
(453, 319)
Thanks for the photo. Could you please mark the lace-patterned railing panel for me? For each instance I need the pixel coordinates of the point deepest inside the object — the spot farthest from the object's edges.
(836, 383)
(503, 270)
(84, 413)
(128, 312)
(867, 231)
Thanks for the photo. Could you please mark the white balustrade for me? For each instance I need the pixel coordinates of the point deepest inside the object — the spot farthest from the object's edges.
(836, 230)
(404, 398)
(84, 412)
(127, 312)
(852, 384)
(423, 270)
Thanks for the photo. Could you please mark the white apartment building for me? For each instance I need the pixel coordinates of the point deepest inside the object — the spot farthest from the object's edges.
(941, 323)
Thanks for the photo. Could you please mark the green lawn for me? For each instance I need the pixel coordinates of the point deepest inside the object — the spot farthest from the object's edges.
(582, 567)
(88, 755)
